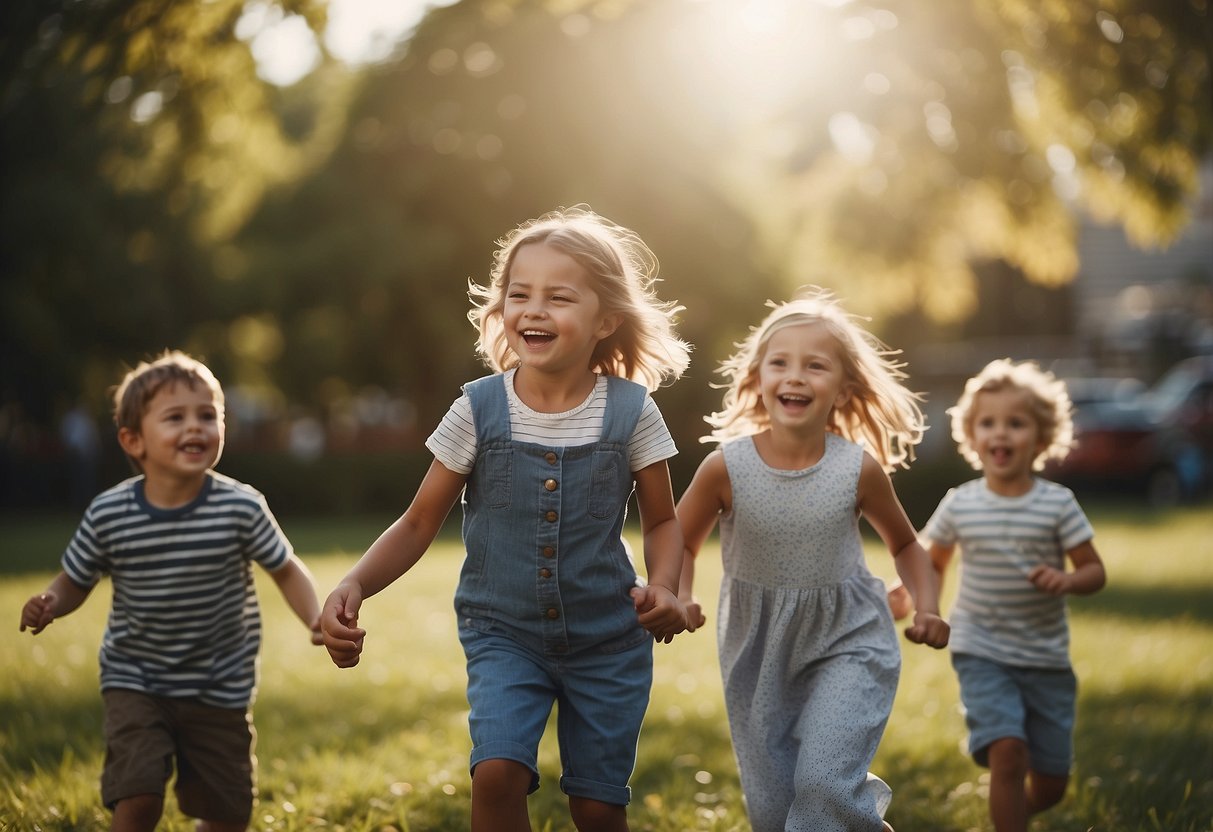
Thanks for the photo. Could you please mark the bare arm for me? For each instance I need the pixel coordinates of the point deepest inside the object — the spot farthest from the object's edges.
(1087, 578)
(879, 504)
(57, 600)
(698, 511)
(299, 589)
(660, 611)
(395, 552)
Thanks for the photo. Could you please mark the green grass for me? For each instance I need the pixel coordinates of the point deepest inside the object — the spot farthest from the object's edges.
(384, 746)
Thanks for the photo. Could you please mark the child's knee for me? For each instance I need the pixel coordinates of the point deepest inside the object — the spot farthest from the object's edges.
(500, 779)
(1045, 790)
(1008, 757)
(595, 815)
(138, 812)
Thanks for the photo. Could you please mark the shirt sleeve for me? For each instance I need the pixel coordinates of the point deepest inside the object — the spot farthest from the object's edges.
(453, 442)
(652, 441)
(85, 561)
(267, 543)
(1073, 527)
(941, 528)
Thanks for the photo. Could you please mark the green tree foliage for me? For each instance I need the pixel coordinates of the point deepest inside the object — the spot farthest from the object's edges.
(316, 240)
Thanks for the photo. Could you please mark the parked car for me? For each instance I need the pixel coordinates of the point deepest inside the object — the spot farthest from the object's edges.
(1158, 443)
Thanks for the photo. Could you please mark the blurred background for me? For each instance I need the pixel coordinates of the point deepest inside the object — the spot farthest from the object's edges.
(299, 191)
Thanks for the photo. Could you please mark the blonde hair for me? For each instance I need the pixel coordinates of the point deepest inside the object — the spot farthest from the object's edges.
(880, 412)
(1048, 402)
(140, 385)
(622, 270)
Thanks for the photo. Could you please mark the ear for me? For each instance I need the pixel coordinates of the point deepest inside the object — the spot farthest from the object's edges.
(844, 395)
(131, 442)
(610, 322)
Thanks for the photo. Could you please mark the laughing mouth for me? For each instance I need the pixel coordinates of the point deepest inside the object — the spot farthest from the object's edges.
(537, 337)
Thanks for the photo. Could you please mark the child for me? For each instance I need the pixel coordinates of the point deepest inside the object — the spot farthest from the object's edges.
(1010, 646)
(808, 650)
(179, 656)
(546, 452)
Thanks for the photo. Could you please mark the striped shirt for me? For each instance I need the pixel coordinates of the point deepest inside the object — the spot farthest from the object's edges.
(453, 442)
(999, 615)
(185, 620)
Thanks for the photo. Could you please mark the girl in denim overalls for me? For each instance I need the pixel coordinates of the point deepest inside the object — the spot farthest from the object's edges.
(546, 453)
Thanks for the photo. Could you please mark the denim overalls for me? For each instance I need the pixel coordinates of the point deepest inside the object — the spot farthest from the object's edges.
(543, 604)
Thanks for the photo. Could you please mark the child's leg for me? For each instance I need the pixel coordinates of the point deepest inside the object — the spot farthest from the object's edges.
(137, 813)
(219, 826)
(499, 792)
(596, 816)
(1044, 790)
(1008, 772)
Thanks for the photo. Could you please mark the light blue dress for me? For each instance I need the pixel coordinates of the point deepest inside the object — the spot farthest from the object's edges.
(808, 651)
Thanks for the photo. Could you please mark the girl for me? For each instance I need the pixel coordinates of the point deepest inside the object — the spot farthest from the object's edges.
(546, 453)
(807, 647)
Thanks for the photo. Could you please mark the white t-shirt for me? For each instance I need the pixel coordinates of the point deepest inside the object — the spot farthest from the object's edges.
(999, 614)
(453, 442)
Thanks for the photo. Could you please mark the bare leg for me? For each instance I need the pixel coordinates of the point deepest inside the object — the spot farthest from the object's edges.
(1008, 772)
(499, 790)
(219, 826)
(1045, 790)
(137, 813)
(596, 816)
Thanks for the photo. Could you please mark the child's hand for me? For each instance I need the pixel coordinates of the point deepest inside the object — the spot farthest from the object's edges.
(317, 633)
(339, 625)
(900, 602)
(929, 629)
(659, 611)
(38, 612)
(1049, 580)
(695, 616)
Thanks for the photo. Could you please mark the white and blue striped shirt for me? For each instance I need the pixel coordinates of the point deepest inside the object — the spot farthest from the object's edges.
(999, 615)
(453, 442)
(184, 620)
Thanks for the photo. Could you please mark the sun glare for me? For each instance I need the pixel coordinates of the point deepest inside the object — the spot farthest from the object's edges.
(762, 55)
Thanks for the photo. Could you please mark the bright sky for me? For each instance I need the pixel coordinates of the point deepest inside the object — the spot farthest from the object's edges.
(358, 32)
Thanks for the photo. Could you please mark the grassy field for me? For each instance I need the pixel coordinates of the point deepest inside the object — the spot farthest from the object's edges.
(384, 746)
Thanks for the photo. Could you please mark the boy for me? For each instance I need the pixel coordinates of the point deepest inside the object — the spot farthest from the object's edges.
(179, 655)
(1010, 639)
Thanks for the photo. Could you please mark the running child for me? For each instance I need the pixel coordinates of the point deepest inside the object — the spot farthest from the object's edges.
(179, 655)
(1011, 642)
(808, 649)
(546, 452)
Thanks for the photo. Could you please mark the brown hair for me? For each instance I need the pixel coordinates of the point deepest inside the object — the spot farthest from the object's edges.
(140, 385)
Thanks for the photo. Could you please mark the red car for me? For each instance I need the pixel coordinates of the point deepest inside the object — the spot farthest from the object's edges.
(1158, 443)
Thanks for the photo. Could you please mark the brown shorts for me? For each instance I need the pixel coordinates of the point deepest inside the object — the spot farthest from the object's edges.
(213, 748)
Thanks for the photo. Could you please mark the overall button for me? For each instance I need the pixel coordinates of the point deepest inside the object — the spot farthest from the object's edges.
(550, 457)
(550, 485)
(545, 573)
(551, 516)
(549, 552)
(553, 613)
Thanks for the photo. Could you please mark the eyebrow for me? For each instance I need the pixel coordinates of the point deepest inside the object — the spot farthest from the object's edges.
(521, 284)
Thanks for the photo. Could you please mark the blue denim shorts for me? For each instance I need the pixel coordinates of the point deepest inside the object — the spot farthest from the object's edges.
(600, 697)
(1035, 705)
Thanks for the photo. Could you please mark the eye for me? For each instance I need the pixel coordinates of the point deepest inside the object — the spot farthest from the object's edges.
(562, 299)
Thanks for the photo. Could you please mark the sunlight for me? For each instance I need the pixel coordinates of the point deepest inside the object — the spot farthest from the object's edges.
(765, 56)
(358, 32)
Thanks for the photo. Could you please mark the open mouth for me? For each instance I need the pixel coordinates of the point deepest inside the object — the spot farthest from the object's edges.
(794, 400)
(1000, 456)
(193, 448)
(537, 337)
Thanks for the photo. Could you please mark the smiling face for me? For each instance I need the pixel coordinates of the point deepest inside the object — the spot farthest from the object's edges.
(180, 435)
(553, 317)
(801, 378)
(1007, 439)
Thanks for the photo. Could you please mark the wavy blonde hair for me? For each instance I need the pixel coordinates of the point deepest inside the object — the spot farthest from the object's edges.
(1048, 401)
(880, 413)
(622, 269)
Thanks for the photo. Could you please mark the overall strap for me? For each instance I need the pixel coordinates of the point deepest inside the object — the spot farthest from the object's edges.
(490, 409)
(625, 401)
